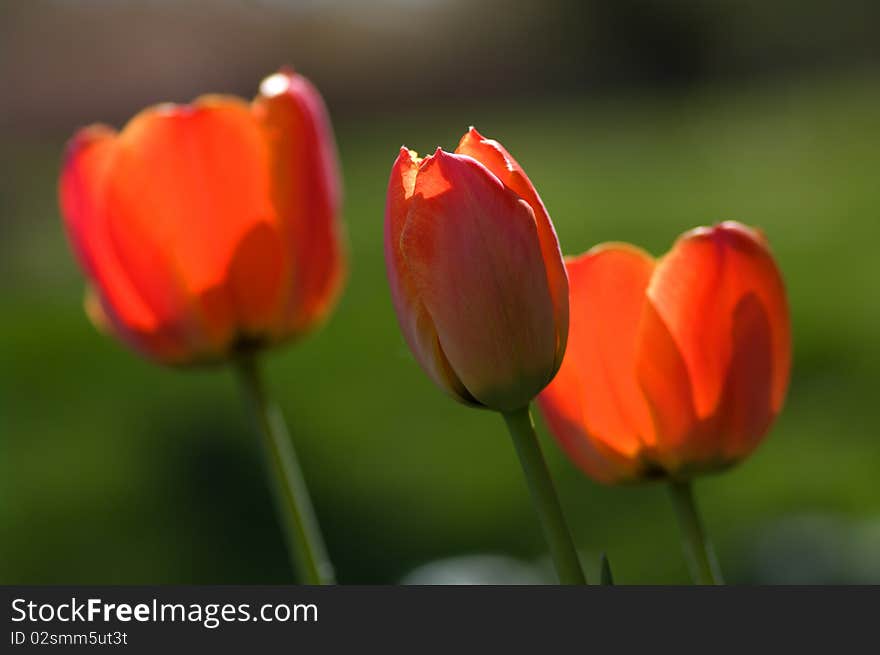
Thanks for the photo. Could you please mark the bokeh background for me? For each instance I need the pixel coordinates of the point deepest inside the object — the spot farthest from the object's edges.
(636, 120)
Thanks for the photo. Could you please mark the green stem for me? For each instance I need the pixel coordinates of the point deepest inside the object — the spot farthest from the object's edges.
(304, 542)
(556, 532)
(697, 549)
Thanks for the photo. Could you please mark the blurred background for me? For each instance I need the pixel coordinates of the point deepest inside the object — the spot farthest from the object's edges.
(635, 120)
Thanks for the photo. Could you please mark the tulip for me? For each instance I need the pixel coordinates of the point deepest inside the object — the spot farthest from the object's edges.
(209, 228)
(476, 275)
(212, 230)
(675, 366)
(481, 293)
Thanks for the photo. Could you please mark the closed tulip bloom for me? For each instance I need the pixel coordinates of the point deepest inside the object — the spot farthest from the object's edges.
(675, 366)
(481, 295)
(476, 275)
(208, 228)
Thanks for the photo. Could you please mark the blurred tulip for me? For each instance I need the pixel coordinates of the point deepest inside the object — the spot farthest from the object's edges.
(208, 231)
(674, 366)
(476, 274)
(209, 228)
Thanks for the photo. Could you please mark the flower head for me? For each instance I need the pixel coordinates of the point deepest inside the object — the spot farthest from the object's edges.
(674, 366)
(476, 274)
(209, 227)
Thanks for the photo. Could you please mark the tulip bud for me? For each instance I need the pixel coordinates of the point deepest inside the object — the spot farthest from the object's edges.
(674, 366)
(212, 227)
(476, 275)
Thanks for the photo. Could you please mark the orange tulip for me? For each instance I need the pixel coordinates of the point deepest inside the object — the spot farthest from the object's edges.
(212, 227)
(674, 366)
(476, 275)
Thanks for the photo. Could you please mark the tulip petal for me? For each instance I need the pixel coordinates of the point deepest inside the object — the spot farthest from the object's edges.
(306, 193)
(663, 378)
(255, 280)
(188, 184)
(495, 157)
(596, 385)
(114, 303)
(561, 406)
(474, 258)
(415, 322)
(746, 409)
(696, 289)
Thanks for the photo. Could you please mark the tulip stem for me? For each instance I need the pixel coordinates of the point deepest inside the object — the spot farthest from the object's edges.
(698, 551)
(556, 532)
(304, 542)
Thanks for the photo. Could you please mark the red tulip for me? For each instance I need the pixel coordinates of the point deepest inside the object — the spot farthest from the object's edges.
(210, 227)
(476, 275)
(674, 366)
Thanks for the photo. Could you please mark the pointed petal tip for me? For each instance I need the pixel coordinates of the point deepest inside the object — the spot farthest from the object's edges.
(428, 160)
(469, 141)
